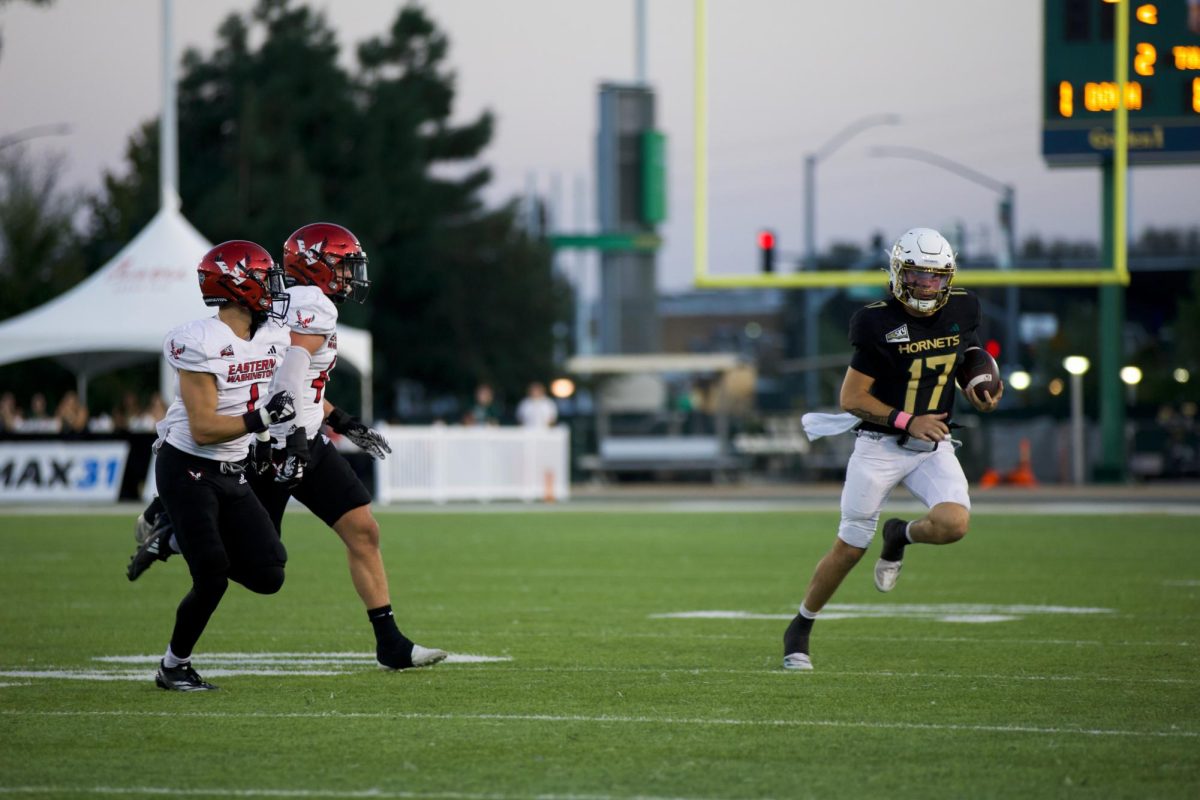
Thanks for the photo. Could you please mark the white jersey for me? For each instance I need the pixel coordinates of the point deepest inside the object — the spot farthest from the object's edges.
(311, 313)
(243, 370)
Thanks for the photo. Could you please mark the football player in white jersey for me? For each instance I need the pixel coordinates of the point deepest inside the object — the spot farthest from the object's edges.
(324, 265)
(222, 364)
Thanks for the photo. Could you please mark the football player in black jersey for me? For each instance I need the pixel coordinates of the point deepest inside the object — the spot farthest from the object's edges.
(901, 385)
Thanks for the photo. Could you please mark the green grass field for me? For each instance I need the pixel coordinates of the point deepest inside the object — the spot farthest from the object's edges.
(1085, 683)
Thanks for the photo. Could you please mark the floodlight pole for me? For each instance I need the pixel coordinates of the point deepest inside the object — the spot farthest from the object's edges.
(1077, 429)
(168, 147)
(815, 298)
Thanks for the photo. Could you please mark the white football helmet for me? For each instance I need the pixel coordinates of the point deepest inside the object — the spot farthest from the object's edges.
(921, 270)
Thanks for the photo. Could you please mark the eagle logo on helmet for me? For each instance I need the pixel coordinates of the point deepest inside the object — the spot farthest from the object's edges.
(311, 254)
(237, 272)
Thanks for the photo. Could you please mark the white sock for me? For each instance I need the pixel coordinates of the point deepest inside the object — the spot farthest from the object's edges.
(171, 661)
(804, 612)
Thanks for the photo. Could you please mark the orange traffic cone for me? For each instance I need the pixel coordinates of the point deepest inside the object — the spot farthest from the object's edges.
(1023, 474)
(989, 479)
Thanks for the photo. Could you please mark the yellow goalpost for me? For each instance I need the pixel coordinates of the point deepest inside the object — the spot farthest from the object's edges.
(1117, 274)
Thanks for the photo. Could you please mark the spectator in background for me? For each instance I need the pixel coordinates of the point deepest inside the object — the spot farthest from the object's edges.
(537, 410)
(147, 419)
(38, 421)
(72, 415)
(10, 414)
(484, 411)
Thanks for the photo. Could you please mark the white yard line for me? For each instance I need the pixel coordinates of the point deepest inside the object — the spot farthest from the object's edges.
(371, 794)
(241, 669)
(749, 637)
(619, 720)
(840, 673)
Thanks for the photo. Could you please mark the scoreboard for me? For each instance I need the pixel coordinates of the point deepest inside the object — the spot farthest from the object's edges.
(1080, 92)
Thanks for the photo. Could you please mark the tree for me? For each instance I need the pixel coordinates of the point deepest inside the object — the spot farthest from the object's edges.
(39, 251)
(40, 254)
(464, 295)
(279, 135)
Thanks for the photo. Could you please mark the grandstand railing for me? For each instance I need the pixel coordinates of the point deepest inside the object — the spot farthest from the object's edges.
(439, 464)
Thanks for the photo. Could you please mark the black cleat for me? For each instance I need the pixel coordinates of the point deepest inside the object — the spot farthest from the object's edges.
(408, 658)
(157, 547)
(181, 679)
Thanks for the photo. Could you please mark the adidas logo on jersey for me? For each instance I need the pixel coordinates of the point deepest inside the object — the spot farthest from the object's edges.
(272, 351)
(227, 351)
(898, 335)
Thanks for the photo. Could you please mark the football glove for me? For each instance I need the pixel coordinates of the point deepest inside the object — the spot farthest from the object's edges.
(354, 430)
(261, 464)
(295, 459)
(280, 408)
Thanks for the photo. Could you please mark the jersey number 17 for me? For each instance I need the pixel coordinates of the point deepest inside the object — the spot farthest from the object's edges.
(919, 365)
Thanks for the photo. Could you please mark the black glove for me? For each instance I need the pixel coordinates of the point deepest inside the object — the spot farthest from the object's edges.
(350, 427)
(261, 464)
(295, 459)
(280, 408)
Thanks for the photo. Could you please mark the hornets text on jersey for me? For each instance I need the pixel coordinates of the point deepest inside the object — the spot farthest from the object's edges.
(911, 358)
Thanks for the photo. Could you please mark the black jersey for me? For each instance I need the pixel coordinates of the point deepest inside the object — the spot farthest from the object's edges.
(911, 358)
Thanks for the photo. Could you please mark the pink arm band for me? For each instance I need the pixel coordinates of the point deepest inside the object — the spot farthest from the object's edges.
(902, 420)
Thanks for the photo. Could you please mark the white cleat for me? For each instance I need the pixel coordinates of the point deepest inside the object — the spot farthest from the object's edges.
(797, 662)
(886, 574)
(427, 656)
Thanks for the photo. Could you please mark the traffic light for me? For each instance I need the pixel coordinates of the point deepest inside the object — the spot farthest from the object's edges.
(766, 250)
(992, 347)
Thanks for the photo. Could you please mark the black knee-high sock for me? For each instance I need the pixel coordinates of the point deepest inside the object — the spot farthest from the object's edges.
(894, 542)
(386, 632)
(795, 638)
(194, 612)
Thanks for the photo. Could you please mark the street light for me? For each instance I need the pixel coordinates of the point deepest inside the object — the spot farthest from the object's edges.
(1005, 217)
(810, 176)
(35, 132)
(1077, 366)
(815, 298)
(1019, 380)
(1131, 376)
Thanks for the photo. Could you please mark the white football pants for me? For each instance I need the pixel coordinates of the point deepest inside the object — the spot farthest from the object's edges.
(877, 465)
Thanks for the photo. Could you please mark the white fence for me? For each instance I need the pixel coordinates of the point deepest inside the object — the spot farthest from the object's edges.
(439, 463)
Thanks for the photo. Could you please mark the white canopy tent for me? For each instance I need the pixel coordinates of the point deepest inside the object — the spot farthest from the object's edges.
(121, 313)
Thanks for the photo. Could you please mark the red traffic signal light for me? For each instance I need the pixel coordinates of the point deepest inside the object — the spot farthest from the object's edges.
(992, 347)
(766, 249)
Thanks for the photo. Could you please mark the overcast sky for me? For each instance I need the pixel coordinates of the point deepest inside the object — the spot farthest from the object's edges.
(785, 76)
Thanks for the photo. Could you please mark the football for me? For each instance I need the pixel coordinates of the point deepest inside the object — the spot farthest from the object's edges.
(978, 373)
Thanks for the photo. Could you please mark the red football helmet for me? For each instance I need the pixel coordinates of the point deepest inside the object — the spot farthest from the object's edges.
(328, 256)
(243, 273)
